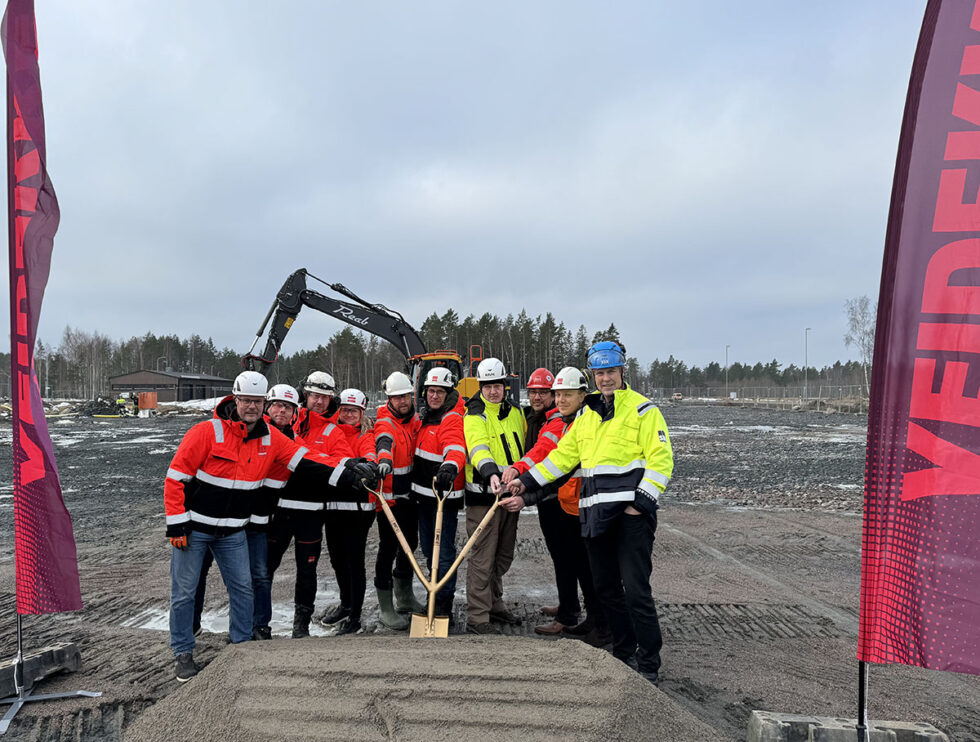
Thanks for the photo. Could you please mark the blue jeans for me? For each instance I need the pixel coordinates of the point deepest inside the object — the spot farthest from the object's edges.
(231, 553)
(447, 543)
(258, 551)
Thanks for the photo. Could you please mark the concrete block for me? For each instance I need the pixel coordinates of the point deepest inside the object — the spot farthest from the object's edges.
(768, 726)
(38, 665)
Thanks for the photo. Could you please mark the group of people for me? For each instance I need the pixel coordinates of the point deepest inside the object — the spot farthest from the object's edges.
(275, 466)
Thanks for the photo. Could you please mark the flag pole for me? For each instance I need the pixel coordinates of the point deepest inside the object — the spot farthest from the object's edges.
(31, 198)
(862, 717)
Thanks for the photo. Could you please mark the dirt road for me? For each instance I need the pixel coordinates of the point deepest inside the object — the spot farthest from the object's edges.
(756, 574)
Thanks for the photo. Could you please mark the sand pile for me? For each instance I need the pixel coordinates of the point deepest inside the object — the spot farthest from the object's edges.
(377, 688)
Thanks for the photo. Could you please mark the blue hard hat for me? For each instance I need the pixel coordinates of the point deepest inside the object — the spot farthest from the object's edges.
(606, 354)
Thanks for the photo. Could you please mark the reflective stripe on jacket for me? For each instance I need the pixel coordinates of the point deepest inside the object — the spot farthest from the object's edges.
(495, 440)
(440, 440)
(361, 444)
(320, 434)
(547, 439)
(219, 468)
(395, 443)
(624, 454)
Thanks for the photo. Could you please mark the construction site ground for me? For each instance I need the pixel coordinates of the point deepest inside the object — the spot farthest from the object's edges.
(756, 574)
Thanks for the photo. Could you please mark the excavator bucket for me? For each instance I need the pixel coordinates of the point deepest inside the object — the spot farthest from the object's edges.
(422, 629)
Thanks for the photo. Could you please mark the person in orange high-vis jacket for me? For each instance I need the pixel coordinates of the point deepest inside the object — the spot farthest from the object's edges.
(564, 540)
(317, 428)
(440, 454)
(208, 499)
(395, 432)
(349, 517)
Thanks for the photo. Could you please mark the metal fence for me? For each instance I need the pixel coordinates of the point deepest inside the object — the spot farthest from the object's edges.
(795, 394)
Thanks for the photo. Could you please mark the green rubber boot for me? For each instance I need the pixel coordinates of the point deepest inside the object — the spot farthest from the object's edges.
(405, 601)
(388, 616)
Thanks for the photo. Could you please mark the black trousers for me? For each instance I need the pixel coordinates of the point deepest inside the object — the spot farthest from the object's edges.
(563, 537)
(347, 532)
(621, 566)
(305, 526)
(406, 514)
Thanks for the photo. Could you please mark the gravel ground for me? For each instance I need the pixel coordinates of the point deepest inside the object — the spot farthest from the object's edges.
(757, 570)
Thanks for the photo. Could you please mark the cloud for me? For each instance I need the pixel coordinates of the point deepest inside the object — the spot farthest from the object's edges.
(700, 176)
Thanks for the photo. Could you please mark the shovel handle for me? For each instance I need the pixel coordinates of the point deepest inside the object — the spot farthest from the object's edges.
(469, 544)
(398, 534)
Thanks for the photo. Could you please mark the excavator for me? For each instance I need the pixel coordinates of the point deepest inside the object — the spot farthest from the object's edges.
(376, 319)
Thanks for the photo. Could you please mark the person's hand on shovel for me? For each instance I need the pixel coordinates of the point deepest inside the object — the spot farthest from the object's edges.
(512, 504)
(445, 478)
(510, 474)
(516, 487)
(495, 486)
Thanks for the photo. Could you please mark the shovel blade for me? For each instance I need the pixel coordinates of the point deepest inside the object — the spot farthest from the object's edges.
(422, 629)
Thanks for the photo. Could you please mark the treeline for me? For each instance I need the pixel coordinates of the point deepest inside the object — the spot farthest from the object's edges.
(81, 364)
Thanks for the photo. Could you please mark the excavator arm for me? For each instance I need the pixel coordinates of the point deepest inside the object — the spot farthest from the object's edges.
(376, 319)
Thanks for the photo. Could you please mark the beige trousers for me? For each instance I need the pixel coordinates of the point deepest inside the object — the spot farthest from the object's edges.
(488, 561)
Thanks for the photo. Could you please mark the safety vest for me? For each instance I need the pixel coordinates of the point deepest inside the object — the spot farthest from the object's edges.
(395, 443)
(624, 454)
(495, 440)
(440, 440)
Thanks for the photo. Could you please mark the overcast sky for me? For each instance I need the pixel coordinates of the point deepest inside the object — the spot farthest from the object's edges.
(702, 174)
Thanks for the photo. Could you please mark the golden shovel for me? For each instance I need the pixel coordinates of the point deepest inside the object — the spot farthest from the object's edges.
(430, 625)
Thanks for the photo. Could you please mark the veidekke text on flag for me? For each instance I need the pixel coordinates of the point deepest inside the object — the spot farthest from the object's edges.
(920, 603)
(47, 567)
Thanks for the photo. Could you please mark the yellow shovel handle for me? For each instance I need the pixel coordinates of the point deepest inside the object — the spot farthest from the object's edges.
(399, 535)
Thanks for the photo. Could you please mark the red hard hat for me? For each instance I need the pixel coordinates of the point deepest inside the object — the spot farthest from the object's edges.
(542, 378)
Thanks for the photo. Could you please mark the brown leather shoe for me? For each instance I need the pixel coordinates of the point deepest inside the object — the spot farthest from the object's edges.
(551, 628)
(551, 610)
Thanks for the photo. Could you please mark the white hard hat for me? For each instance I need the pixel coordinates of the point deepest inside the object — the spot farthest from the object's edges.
(283, 393)
(354, 398)
(396, 384)
(250, 384)
(570, 378)
(439, 376)
(319, 382)
(491, 370)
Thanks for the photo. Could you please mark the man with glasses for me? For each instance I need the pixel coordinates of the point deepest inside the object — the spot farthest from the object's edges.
(208, 498)
(620, 440)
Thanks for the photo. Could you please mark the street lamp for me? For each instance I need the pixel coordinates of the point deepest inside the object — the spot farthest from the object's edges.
(726, 371)
(161, 358)
(806, 362)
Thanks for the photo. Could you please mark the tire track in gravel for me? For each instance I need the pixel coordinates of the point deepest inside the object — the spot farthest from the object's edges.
(845, 621)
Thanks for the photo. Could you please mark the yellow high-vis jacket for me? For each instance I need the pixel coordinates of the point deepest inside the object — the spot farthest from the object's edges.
(624, 454)
(494, 441)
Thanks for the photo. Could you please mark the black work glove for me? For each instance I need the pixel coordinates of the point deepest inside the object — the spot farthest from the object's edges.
(366, 475)
(445, 477)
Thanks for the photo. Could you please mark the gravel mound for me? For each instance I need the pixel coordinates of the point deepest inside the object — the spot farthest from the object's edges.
(373, 688)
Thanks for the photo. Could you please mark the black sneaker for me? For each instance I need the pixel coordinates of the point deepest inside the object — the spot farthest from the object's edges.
(335, 614)
(184, 667)
(653, 677)
(261, 633)
(348, 626)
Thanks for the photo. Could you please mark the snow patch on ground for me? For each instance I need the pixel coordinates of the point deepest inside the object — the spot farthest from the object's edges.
(204, 405)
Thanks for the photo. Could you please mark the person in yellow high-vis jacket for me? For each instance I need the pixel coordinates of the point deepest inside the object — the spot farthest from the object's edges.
(621, 443)
(494, 430)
